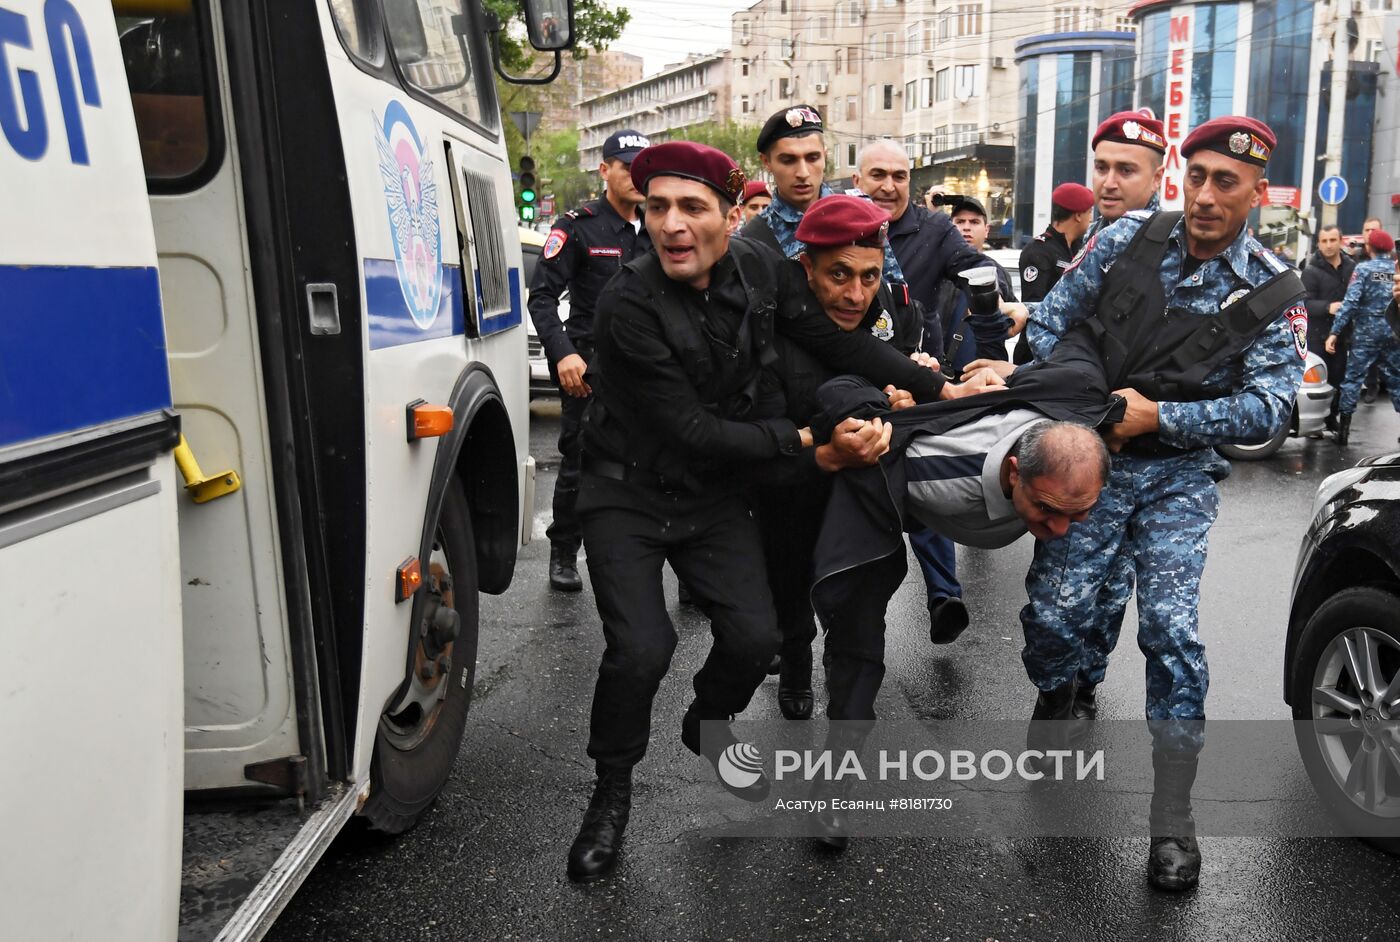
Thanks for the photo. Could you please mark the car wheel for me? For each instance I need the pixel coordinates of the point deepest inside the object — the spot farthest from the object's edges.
(1264, 449)
(1346, 681)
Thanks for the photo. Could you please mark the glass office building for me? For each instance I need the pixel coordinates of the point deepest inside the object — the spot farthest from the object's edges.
(1069, 82)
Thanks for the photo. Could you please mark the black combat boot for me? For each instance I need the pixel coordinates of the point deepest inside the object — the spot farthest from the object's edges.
(1053, 725)
(795, 683)
(563, 570)
(1344, 428)
(1174, 860)
(1086, 702)
(736, 771)
(594, 852)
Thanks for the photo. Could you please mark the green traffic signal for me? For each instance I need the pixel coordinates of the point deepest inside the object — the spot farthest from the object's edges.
(527, 180)
(527, 195)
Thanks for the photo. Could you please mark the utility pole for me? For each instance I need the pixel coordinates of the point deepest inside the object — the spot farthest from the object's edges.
(1337, 100)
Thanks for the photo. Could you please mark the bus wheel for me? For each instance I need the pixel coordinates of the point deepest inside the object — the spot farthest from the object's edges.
(416, 744)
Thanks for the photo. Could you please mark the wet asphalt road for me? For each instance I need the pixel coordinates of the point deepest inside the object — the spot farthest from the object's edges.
(488, 861)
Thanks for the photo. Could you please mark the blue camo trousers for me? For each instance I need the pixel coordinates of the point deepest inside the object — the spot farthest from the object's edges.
(1366, 348)
(1151, 522)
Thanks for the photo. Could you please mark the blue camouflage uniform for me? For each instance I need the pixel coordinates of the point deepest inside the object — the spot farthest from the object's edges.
(782, 217)
(1372, 340)
(1153, 516)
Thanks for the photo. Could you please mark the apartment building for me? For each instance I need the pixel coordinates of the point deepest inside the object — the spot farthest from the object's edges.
(939, 76)
(660, 106)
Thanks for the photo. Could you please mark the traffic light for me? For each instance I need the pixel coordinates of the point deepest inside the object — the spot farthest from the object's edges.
(527, 188)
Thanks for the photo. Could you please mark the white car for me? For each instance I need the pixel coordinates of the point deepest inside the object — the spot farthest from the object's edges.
(541, 383)
(1309, 414)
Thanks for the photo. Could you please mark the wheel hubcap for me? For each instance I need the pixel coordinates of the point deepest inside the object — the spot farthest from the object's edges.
(1356, 689)
(412, 717)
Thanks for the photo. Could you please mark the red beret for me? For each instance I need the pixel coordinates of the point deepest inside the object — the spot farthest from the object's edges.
(840, 220)
(1380, 240)
(692, 161)
(755, 188)
(1133, 127)
(1236, 136)
(1074, 197)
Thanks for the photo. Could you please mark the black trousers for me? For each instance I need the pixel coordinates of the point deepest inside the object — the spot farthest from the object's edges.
(852, 607)
(790, 518)
(564, 530)
(713, 544)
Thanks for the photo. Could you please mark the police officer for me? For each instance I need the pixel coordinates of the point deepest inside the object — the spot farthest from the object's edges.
(1373, 341)
(1046, 256)
(671, 435)
(793, 150)
(756, 199)
(585, 248)
(1161, 497)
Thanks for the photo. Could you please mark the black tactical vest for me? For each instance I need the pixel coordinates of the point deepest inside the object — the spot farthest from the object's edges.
(1166, 355)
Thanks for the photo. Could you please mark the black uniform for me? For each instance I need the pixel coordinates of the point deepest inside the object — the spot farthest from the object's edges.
(585, 248)
(930, 248)
(1043, 261)
(671, 441)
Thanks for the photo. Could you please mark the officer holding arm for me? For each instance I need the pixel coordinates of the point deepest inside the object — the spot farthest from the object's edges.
(1184, 277)
(585, 248)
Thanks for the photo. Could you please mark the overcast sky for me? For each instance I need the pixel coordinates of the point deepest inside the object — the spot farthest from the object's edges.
(663, 31)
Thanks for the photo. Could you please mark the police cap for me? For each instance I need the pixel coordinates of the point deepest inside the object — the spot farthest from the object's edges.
(1237, 136)
(691, 161)
(841, 220)
(624, 145)
(797, 121)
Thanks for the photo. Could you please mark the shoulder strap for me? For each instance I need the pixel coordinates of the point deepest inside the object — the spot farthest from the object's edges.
(756, 272)
(1147, 249)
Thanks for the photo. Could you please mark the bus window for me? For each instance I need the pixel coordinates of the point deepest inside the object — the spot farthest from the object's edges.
(354, 22)
(165, 62)
(433, 46)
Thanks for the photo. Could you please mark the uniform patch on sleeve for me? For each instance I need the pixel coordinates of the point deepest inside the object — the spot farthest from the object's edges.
(883, 328)
(1030, 273)
(1074, 262)
(1298, 323)
(555, 242)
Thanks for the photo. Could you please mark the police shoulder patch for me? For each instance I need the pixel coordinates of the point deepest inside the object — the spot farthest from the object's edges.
(883, 328)
(1030, 273)
(555, 243)
(1298, 323)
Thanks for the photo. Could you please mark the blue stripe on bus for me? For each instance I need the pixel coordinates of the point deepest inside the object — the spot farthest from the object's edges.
(79, 347)
(391, 324)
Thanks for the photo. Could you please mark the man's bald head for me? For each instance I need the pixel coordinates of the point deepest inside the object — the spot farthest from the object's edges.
(1056, 471)
(883, 175)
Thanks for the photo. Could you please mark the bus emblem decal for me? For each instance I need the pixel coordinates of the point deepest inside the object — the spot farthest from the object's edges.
(410, 195)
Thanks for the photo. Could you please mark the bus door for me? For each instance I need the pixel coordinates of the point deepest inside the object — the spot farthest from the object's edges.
(239, 707)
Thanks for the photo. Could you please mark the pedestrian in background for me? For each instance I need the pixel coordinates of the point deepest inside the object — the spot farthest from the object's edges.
(1326, 278)
(586, 247)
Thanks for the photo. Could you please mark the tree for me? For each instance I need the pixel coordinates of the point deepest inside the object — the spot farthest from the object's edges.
(735, 139)
(556, 159)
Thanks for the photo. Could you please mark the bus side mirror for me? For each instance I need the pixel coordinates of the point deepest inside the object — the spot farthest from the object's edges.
(406, 32)
(550, 24)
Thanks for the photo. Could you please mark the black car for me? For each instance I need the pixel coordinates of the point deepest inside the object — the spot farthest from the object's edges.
(1342, 658)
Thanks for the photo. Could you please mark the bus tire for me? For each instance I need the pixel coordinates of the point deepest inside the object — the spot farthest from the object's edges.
(408, 771)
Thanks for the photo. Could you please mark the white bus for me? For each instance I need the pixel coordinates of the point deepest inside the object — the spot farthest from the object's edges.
(263, 393)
